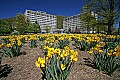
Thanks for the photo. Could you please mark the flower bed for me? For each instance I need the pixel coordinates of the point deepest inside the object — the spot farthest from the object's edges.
(58, 56)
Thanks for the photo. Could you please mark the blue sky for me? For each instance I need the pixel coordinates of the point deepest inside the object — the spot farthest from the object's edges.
(9, 8)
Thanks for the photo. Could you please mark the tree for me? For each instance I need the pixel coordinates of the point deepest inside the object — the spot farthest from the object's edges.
(30, 28)
(88, 18)
(10, 22)
(101, 26)
(60, 22)
(36, 27)
(69, 30)
(20, 24)
(4, 27)
(47, 29)
(108, 9)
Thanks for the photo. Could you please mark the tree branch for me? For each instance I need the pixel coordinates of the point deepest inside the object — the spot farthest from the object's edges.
(103, 15)
(117, 3)
(101, 5)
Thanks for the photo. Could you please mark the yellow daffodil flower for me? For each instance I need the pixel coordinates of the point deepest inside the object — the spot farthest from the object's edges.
(63, 66)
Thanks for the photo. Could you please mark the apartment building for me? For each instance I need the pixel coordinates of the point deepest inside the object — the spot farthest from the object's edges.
(75, 24)
(43, 19)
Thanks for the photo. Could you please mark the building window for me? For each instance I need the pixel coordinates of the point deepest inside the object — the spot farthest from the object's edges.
(28, 11)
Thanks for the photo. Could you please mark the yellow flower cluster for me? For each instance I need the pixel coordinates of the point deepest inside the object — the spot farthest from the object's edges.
(59, 54)
(63, 53)
(40, 62)
(112, 52)
(96, 48)
(1, 45)
(111, 36)
(74, 56)
(117, 51)
(92, 39)
(13, 40)
(63, 66)
(32, 37)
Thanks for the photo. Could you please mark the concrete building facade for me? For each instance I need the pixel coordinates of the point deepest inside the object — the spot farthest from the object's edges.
(75, 24)
(43, 19)
(72, 23)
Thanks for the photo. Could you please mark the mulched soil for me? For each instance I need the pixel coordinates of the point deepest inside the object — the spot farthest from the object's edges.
(23, 67)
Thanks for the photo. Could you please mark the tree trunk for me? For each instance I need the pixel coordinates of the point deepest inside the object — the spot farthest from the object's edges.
(110, 19)
(104, 31)
(98, 30)
(110, 25)
(119, 29)
(87, 29)
(93, 30)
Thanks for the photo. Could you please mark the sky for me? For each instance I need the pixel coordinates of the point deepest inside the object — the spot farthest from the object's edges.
(9, 8)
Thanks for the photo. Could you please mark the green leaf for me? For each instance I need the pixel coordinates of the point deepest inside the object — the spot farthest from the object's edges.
(51, 73)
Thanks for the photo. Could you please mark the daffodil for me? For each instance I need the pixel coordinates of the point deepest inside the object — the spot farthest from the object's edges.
(88, 41)
(37, 63)
(47, 58)
(116, 54)
(71, 51)
(46, 47)
(117, 48)
(40, 62)
(73, 58)
(102, 43)
(9, 45)
(66, 48)
(97, 46)
(75, 53)
(63, 66)
(19, 43)
(49, 54)
(57, 51)
(1, 45)
(62, 56)
(110, 51)
(42, 65)
(100, 51)
(90, 52)
(51, 50)
(109, 54)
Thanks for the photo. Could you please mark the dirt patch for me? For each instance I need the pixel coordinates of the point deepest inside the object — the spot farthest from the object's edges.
(23, 67)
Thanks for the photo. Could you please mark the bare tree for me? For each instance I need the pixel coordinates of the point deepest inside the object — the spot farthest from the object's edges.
(108, 9)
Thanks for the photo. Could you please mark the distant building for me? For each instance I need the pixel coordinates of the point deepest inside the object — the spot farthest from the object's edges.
(43, 19)
(57, 31)
(72, 23)
(75, 24)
